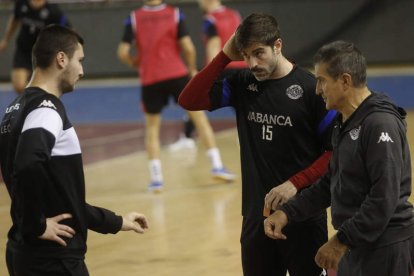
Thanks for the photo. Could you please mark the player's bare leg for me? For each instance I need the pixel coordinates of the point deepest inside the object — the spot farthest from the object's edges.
(20, 78)
(152, 146)
(206, 133)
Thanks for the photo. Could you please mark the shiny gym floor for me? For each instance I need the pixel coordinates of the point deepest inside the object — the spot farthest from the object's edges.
(195, 222)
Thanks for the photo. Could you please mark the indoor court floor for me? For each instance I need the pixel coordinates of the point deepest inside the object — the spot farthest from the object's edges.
(194, 223)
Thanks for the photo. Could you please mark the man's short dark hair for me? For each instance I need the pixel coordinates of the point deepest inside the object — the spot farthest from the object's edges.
(343, 57)
(52, 40)
(257, 28)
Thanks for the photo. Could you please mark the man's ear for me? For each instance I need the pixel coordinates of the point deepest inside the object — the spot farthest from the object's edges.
(61, 59)
(277, 45)
(346, 80)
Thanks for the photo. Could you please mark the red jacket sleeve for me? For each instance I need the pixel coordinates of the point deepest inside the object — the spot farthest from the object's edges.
(195, 94)
(312, 173)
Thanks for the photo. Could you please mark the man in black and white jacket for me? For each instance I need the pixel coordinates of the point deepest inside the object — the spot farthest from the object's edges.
(41, 163)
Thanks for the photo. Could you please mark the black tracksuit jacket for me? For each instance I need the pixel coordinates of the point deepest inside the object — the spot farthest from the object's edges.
(369, 178)
(41, 163)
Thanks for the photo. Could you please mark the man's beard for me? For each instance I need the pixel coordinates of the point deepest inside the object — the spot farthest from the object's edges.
(65, 86)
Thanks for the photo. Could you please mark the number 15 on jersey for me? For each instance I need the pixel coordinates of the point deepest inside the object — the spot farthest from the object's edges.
(267, 132)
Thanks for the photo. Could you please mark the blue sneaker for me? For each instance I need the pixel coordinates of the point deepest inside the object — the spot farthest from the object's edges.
(155, 186)
(223, 174)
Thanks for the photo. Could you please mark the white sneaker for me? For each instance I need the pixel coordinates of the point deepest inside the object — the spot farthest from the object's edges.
(155, 186)
(223, 174)
(183, 143)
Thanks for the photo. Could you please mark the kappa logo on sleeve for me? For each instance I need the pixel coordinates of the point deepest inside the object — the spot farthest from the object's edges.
(385, 138)
(47, 103)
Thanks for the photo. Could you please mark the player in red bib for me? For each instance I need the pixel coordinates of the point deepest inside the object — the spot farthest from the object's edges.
(219, 23)
(160, 34)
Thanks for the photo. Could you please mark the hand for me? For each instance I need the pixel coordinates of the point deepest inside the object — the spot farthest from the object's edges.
(134, 221)
(3, 45)
(135, 60)
(274, 224)
(280, 195)
(330, 254)
(54, 229)
(231, 51)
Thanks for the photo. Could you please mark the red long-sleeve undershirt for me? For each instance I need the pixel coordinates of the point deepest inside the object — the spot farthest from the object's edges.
(195, 96)
(312, 173)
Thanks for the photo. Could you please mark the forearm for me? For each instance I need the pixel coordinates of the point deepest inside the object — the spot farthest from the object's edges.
(124, 56)
(190, 58)
(195, 95)
(189, 54)
(11, 27)
(309, 202)
(102, 220)
(312, 173)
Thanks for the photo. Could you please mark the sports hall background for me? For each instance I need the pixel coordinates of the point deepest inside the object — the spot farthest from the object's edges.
(104, 107)
(382, 29)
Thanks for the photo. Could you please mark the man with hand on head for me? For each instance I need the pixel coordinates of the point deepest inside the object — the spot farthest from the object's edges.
(284, 139)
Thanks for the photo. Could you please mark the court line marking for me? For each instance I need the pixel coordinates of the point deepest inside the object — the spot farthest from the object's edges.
(221, 133)
(109, 139)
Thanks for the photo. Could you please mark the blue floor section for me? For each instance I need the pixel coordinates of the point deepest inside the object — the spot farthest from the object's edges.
(111, 104)
(399, 88)
(118, 104)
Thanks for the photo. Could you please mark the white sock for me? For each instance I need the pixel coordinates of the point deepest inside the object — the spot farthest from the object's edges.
(215, 159)
(154, 166)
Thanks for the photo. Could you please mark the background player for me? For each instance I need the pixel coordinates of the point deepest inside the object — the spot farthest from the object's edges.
(219, 23)
(160, 34)
(30, 16)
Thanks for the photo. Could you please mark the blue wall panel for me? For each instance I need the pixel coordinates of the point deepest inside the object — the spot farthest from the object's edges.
(109, 104)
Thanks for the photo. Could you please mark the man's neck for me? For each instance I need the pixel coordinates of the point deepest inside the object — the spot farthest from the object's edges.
(45, 81)
(284, 67)
(153, 2)
(358, 96)
(213, 6)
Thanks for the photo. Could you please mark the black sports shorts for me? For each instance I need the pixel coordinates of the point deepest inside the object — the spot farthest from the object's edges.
(155, 96)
